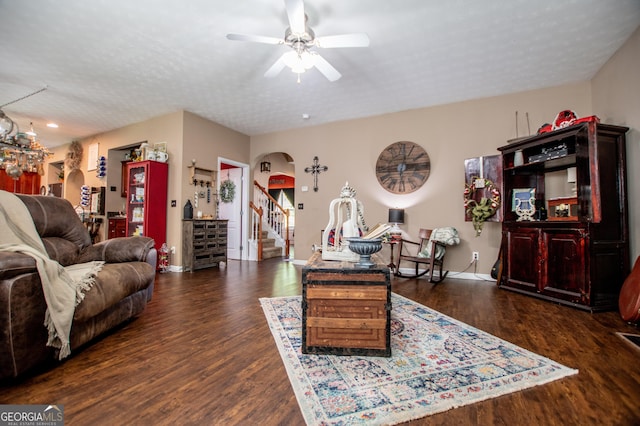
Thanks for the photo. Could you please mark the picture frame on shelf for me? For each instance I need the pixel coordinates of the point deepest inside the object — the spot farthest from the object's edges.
(525, 195)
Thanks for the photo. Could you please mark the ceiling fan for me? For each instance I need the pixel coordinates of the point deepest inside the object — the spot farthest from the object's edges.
(302, 40)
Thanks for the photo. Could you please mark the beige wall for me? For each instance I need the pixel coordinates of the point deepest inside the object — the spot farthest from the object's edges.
(449, 133)
(187, 135)
(166, 128)
(616, 100)
(204, 141)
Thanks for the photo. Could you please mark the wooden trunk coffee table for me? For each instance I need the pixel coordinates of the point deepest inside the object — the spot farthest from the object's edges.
(346, 310)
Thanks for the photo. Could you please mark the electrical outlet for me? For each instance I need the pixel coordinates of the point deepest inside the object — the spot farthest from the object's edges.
(173, 249)
(475, 256)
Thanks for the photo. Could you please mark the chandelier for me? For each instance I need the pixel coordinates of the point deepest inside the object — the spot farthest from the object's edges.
(20, 152)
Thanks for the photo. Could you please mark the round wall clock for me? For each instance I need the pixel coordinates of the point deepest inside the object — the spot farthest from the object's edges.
(403, 167)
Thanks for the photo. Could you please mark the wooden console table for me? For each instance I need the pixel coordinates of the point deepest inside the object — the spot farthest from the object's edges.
(204, 243)
(345, 310)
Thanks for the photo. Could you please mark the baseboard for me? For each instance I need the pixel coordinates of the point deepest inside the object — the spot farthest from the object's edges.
(174, 268)
(408, 271)
(456, 275)
(471, 276)
(452, 274)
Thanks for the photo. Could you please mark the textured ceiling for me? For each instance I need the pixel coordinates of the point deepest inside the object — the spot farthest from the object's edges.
(110, 63)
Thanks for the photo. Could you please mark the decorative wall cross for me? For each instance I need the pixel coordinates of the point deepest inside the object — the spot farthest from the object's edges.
(315, 169)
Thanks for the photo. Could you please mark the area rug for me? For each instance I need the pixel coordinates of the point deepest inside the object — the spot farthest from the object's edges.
(437, 363)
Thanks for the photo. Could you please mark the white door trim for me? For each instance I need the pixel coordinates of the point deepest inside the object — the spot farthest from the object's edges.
(243, 192)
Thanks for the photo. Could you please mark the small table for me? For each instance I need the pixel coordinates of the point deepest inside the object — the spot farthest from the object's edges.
(392, 243)
(345, 310)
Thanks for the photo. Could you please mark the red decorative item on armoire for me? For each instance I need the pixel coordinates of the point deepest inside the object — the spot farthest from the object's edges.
(147, 200)
(629, 302)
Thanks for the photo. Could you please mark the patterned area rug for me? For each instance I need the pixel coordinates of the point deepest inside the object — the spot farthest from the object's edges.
(437, 363)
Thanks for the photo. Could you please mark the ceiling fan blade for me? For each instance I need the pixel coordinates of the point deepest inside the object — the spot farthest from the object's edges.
(326, 68)
(275, 68)
(295, 13)
(343, 40)
(255, 38)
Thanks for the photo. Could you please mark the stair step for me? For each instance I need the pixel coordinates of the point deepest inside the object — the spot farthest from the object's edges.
(268, 253)
(269, 242)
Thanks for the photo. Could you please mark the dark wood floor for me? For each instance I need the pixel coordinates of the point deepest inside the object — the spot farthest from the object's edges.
(202, 354)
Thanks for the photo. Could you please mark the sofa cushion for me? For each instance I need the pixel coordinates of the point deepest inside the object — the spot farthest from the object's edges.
(13, 264)
(55, 218)
(129, 307)
(116, 250)
(113, 283)
(63, 251)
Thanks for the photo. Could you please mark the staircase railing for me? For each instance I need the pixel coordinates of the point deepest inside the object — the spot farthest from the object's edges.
(274, 215)
(256, 227)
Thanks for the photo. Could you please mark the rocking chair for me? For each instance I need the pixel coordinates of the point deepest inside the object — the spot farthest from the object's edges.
(428, 253)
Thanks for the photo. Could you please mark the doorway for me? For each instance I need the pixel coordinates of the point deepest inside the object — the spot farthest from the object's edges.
(234, 210)
(275, 172)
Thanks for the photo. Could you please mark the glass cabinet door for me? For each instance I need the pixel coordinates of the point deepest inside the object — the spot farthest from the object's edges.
(136, 200)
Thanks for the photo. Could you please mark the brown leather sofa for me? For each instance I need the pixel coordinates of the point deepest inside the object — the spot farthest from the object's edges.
(121, 291)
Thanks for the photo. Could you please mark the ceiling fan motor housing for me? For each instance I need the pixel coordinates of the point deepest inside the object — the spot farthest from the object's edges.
(307, 38)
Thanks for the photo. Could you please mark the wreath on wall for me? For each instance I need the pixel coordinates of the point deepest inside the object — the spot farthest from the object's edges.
(481, 210)
(227, 191)
(74, 156)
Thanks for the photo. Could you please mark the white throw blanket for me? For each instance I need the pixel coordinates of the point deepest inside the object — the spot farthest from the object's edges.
(447, 235)
(63, 288)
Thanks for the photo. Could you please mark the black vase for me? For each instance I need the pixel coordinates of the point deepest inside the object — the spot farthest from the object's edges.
(188, 210)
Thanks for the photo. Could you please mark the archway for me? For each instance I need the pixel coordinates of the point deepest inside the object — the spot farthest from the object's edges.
(275, 172)
(72, 187)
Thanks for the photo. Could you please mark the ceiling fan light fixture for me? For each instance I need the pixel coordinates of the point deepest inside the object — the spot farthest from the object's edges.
(307, 60)
(299, 62)
(290, 59)
(298, 70)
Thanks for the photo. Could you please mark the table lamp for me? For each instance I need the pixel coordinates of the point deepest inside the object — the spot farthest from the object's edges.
(396, 217)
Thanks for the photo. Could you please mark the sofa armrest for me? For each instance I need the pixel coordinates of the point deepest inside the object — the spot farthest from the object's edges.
(13, 264)
(117, 250)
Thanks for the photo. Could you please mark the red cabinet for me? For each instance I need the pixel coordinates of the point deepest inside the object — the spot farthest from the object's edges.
(117, 228)
(28, 183)
(147, 200)
(549, 261)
